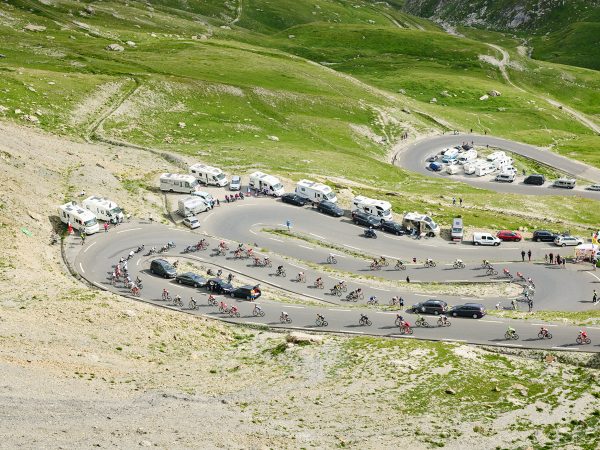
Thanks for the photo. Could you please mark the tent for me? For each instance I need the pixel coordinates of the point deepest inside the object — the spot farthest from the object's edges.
(586, 251)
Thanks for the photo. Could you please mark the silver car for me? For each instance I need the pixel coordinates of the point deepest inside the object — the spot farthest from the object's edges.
(593, 187)
(563, 241)
(191, 222)
(236, 183)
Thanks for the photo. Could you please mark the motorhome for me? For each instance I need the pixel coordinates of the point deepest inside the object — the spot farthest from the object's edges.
(469, 155)
(190, 206)
(484, 169)
(209, 175)
(452, 169)
(501, 163)
(457, 229)
(261, 181)
(314, 191)
(496, 155)
(174, 182)
(378, 208)
(470, 166)
(420, 224)
(104, 209)
(81, 219)
(450, 155)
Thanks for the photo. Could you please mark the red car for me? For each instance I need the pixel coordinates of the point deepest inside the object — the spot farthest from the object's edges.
(507, 235)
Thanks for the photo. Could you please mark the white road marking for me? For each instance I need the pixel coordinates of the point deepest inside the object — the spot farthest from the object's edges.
(138, 262)
(593, 274)
(565, 348)
(353, 332)
(542, 325)
(349, 246)
(490, 321)
(589, 328)
(96, 284)
(316, 235)
(299, 267)
(460, 281)
(335, 309)
(466, 298)
(304, 246)
(294, 307)
(383, 312)
(90, 246)
(256, 224)
(81, 265)
(273, 239)
(207, 216)
(402, 336)
(512, 345)
(253, 232)
(131, 229)
(380, 289)
(422, 295)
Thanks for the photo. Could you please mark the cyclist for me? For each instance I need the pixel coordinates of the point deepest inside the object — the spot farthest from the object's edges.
(458, 262)
(284, 316)
(240, 246)
(222, 306)
(211, 298)
(138, 281)
(320, 318)
(257, 308)
(201, 243)
(544, 331)
(429, 261)
(250, 252)
(319, 282)
(301, 276)
(583, 334)
(165, 294)
(444, 319)
(486, 263)
(511, 331)
(279, 270)
(513, 303)
(372, 300)
(177, 299)
(341, 285)
(399, 320)
(257, 261)
(331, 257)
(233, 310)
(382, 261)
(135, 290)
(364, 317)
(358, 292)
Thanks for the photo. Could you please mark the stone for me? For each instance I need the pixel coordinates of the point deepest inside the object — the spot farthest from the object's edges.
(115, 48)
(36, 28)
(494, 93)
(484, 97)
(433, 100)
(3, 109)
(89, 9)
(181, 125)
(406, 110)
(303, 338)
(30, 118)
(291, 36)
(450, 391)
(130, 43)
(401, 91)
(445, 94)
(145, 443)
(273, 138)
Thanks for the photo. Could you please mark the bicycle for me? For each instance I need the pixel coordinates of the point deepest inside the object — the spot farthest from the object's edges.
(352, 297)
(443, 323)
(400, 266)
(544, 335)
(233, 312)
(429, 264)
(321, 322)
(491, 271)
(319, 284)
(583, 339)
(375, 266)
(458, 265)
(335, 291)
(421, 322)
(258, 312)
(212, 301)
(331, 259)
(404, 329)
(384, 262)
(178, 302)
(364, 321)
(511, 335)
(300, 278)
(280, 273)
(285, 319)
(166, 297)
(372, 301)
(193, 304)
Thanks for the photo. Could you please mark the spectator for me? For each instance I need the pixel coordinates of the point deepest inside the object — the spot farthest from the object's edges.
(401, 303)
(523, 255)
(564, 261)
(82, 234)
(460, 201)
(530, 304)
(551, 256)
(453, 201)
(546, 258)
(595, 297)
(529, 255)
(558, 259)
(106, 227)
(407, 279)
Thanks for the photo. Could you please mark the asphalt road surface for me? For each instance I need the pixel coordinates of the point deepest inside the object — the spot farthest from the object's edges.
(246, 221)
(414, 157)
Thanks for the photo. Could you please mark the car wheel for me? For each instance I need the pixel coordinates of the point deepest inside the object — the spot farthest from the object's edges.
(231, 294)
(437, 313)
(422, 309)
(178, 281)
(519, 240)
(454, 314)
(397, 233)
(497, 244)
(476, 243)
(536, 240)
(196, 285)
(563, 245)
(475, 316)
(152, 270)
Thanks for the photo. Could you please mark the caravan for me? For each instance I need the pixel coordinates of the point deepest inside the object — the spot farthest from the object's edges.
(378, 208)
(209, 175)
(465, 157)
(80, 218)
(315, 192)
(261, 181)
(484, 169)
(191, 206)
(496, 155)
(173, 182)
(420, 224)
(104, 209)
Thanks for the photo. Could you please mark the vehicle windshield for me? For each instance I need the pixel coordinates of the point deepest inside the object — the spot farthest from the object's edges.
(91, 222)
(387, 212)
(220, 176)
(116, 210)
(277, 186)
(456, 230)
(194, 183)
(330, 196)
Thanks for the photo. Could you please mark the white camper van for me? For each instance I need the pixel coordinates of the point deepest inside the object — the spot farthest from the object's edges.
(209, 175)
(314, 191)
(104, 209)
(378, 208)
(469, 167)
(501, 163)
(190, 206)
(261, 181)
(496, 155)
(174, 182)
(420, 223)
(484, 169)
(452, 169)
(80, 218)
(469, 155)
(457, 229)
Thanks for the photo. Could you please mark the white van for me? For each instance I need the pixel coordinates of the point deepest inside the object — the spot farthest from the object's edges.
(314, 191)
(261, 181)
(173, 182)
(81, 219)
(484, 169)
(209, 175)
(505, 177)
(104, 209)
(501, 163)
(496, 155)
(208, 199)
(566, 183)
(378, 208)
(457, 229)
(469, 155)
(485, 239)
(190, 206)
(420, 223)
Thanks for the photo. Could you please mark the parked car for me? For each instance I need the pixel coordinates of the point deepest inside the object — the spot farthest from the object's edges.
(327, 207)
(191, 279)
(564, 240)
(431, 306)
(236, 183)
(507, 235)
(393, 227)
(162, 268)
(432, 158)
(505, 177)
(249, 292)
(294, 199)
(543, 236)
(485, 239)
(474, 310)
(365, 219)
(565, 183)
(535, 179)
(219, 286)
(593, 187)
(435, 167)
(191, 222)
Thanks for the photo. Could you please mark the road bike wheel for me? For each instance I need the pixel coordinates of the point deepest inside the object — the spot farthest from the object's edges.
(325, 323)
(548, 335)
(369, 323)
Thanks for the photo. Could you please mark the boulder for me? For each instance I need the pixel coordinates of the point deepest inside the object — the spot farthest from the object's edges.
(445, 94)
(36, 28)
(30, 118)
(433, 100)
(484, 97)
(130, 43)
(291, 36)
(303, 338)
(181, 125)
(115, 48)
(450, 391)
(494, 93)
(273, 138)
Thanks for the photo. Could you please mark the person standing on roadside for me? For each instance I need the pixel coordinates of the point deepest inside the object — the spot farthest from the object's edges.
(401, 303)
(557, 259)
(453, 201)
(106, 227)
(460, 201)
(595, 297)
(82, 234)
(564, 262)
(529, 255)
(523, 255)
(551, 256)
(530, 304)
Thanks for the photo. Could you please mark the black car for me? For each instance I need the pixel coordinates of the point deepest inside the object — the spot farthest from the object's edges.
(431, 307)
(474, 310)
(393, 227)
(249, 292)
(327, 207)
(365, 219)
(219, 286)
(535, 179)
(191, 279)
(543, 236)
(294, 199)
(163, 268)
